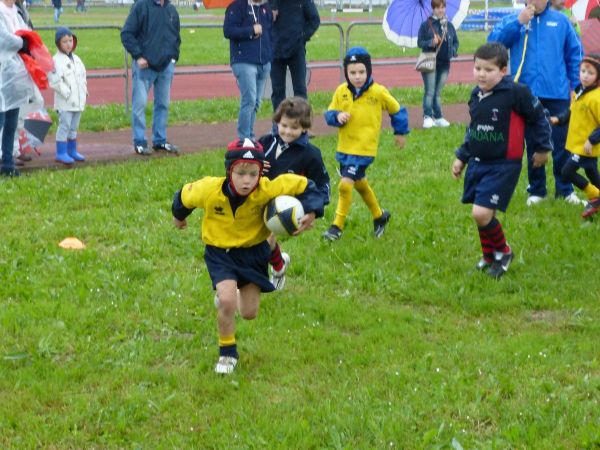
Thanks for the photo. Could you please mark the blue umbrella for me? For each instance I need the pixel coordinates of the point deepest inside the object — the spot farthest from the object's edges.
(403, 18)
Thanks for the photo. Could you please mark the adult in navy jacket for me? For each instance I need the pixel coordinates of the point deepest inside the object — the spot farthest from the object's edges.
(151, 35)
(545, 54)
(296, 21)
(248, 25)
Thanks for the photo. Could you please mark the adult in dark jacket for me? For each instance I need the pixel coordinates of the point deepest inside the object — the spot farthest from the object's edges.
(437, 34)
(296, 21)
(57, 4)
(545, 54)
(248, 25)
(151, 35)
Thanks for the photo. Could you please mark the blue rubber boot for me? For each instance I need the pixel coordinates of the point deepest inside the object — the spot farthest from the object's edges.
(72, 150)
(62, 156)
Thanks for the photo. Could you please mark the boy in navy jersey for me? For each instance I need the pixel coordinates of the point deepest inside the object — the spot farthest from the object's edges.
(288, 150)
(501, 110)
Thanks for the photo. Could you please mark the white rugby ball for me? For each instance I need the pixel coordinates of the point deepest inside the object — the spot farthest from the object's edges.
(282, 215)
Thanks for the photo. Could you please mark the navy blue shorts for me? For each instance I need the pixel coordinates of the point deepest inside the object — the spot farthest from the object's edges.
(491, 184)
(356, 173)
(583, 162)
(245, 265)
(353, 166)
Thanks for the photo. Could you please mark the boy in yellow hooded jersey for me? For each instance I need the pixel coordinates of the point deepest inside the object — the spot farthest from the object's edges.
(233, 231)
(356, 109)
(583, 138)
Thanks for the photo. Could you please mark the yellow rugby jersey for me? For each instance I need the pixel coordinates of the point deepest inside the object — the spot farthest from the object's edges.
(360, 135)
(220, 227)
(585, 118)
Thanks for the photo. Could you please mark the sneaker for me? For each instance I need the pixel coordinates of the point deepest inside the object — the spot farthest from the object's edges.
(500, 265)
(278, 276)
(428, 122)
(483, 264)
(534, 200)
(167, 147)
(591, 208)
(142, 149)
(225, 365)
(572, 199)
(10, 172)
(380, 223)
(333, 233)
(441, 122)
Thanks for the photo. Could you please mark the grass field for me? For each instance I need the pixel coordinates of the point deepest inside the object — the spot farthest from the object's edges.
(389, 343)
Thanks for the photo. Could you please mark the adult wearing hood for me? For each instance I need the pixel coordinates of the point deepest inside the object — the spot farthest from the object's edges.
(248, 25)
(16, 86)
(545, 54)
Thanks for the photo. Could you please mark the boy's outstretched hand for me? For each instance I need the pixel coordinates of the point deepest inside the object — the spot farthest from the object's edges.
(181, 224)
(400, 140)
(306, 223)
(457, 168)
(539, 159)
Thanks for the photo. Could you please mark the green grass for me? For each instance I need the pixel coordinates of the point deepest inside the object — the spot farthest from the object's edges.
(113, 117)
(390, 343)
(99, 48)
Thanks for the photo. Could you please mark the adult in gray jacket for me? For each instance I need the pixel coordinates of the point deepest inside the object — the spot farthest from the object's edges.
(151, 35)
(296, 21)
(16, 86)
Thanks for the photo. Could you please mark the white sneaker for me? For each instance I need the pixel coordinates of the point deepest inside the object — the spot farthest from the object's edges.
(278, 276)
(534, 199)
(572, 199)
(441, 122)
(225, 365)
(428, 122)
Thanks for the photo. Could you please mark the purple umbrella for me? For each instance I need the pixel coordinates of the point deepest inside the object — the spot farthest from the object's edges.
(403, 18)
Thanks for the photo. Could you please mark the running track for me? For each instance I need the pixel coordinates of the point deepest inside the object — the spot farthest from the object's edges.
(189, 87)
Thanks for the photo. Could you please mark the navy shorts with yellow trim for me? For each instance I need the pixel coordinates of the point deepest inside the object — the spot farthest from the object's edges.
(491, 184)
(245, 265)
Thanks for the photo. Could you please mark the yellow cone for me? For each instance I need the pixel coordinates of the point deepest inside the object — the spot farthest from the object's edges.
(72, 243)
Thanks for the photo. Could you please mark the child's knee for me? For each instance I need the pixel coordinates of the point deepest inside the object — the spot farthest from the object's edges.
(345, 187)
(482, 216)
(228, 305)
(249, 314)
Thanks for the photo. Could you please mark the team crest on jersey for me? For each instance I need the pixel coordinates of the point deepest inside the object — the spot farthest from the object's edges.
(219, 211)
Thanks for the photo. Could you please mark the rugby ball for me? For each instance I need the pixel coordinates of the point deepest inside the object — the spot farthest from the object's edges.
(282, 215)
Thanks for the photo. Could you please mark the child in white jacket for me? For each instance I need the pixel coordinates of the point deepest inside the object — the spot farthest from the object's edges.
(70, 92)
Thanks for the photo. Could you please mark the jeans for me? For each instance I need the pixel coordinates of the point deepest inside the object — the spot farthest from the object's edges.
(434, 82)
(8, 124)
(297, 65)
(143, 80)
(537, 177)
(57, 13)
(68, 123)
(251, 79)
